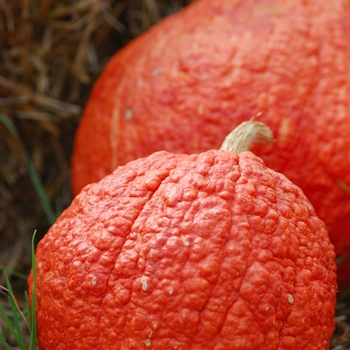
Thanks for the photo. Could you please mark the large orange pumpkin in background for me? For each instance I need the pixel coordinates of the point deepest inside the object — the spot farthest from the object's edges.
(189, 80)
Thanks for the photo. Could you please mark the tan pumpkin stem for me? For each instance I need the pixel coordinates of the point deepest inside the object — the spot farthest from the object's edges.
(245, 134)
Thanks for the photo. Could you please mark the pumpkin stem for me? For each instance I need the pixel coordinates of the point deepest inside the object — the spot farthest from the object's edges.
(245, 134)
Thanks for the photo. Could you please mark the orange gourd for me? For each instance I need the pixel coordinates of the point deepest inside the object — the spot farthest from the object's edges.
(173, 251)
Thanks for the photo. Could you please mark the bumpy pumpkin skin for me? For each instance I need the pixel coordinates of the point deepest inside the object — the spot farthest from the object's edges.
(186, 83)
(208, 251)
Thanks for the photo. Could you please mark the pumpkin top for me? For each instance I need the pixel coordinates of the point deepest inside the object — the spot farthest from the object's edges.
(175, 251)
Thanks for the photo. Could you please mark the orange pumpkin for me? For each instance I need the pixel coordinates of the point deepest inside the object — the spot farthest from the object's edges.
(174, 251)
(188, 81)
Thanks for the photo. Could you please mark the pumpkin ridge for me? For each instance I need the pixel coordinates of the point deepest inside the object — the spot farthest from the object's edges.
(142, 273)
(249, 257)
(298, 271)
(211, 175)
(195, 170)
(217, 159)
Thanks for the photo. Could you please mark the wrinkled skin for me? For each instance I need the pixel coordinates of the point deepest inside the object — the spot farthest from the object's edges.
(201, 252)
(191, 79)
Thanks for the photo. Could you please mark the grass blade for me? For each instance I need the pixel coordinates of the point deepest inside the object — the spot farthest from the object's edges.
(51, 217)
(28, 313)
(16, 320)
(4, 342)
(3, 313)
(7, 320)
(26, 310)
(342, 258)
(13, 272)
(32, 342)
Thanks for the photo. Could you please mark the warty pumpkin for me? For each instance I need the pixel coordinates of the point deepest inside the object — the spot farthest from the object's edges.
(174, 251)
(184, 84)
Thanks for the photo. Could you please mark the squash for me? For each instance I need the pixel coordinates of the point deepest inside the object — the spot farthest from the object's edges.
(184, 84)
(174, 251)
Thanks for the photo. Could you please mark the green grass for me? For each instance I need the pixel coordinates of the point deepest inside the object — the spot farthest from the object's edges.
(13, 272)
(27, 315)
